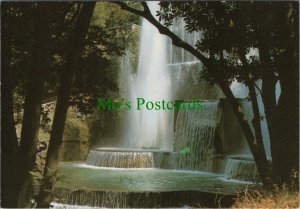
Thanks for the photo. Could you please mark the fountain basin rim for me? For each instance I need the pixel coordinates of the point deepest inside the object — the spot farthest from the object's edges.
(215, 190)
(241, 157)
(116, 149)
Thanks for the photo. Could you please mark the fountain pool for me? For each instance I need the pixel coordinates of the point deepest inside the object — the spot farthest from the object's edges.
(81, 184)
(200, 169)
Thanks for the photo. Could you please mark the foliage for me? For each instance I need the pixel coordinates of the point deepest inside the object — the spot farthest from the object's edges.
(111, 31)
(232, 28)
(108, 37)
(103, 124)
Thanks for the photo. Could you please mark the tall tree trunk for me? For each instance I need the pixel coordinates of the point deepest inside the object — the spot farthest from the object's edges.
(287, 121)
(268, 83)
(9, 143)
(256, 123)
(258, 133)
(269, 100)
(9, 147)
(254, 145)
(32, 107)
(282, 119)
(74, 49)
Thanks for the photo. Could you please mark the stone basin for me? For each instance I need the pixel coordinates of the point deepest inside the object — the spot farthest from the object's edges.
(80, 184)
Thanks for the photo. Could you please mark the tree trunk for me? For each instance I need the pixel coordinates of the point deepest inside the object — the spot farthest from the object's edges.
(258, 133)
(287, 121)
(282, 119)
(269, 101)
(256, 123)
(74, 49)
(256, 150)
(268, 84)
(9, 148)
(9, 143)
(32, 107)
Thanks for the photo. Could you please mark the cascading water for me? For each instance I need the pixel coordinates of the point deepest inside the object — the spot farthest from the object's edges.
(241, 168)
(186, 68)
(158, 77)
(152, 82)
(120, 159)
(195, 138)
(133, 158)
(197, 145)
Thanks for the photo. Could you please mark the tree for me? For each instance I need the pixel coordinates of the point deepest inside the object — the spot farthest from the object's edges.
(9, 142)
(26, 65)
(32, 108)
(75, 43)
(101, 46)
(270, 27)
(280, 54)
(14, 18)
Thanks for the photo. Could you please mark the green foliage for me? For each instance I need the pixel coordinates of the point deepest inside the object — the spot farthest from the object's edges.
(109, 15)
(109, 34)
(103, 124)
(45, 119)
(107, 39)
(229, 30)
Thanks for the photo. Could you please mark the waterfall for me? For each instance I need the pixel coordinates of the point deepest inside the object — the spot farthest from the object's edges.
(152, 82)
(123, 199)
(120, 159)
(195, 137)
(107, 199)
(241, 168)
(186, 68)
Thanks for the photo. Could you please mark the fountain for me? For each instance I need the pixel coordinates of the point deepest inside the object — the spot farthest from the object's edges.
(142, 128)
(242, 168)
(127, 158)
(120, 159)
(166, 158)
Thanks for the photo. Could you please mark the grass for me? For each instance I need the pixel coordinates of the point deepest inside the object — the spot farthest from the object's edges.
(280, 198)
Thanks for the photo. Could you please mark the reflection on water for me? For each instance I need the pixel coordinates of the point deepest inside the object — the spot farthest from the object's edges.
(76, 175)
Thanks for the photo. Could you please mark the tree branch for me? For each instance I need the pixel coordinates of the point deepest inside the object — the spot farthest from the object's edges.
(124, 6)
(257, 87)
(146, 8)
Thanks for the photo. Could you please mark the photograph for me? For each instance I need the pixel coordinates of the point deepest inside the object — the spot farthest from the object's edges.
(149, 104)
